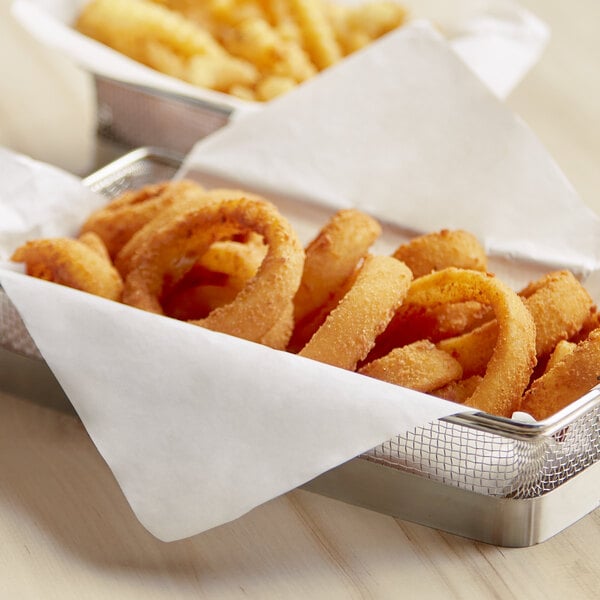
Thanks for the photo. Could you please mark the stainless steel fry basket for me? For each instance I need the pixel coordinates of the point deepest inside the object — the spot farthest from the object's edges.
(134, 116)
(488, 478)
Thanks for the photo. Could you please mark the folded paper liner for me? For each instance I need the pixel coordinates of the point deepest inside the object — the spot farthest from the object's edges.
(199, 427)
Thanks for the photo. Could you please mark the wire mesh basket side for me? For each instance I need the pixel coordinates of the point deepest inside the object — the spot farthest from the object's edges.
(491, 464)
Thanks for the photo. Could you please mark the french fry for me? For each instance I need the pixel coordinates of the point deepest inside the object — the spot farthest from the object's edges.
(252, 49)
(317, 32)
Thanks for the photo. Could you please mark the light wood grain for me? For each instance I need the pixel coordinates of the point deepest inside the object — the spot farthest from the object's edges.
(67, 533)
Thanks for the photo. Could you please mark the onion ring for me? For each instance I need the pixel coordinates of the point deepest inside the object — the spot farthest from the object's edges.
(560, 306)
(458, 391)
(332, 257)
(95, 242)
(72, 263)
(214, 279)
(513, 358)
(350, 330)
(116, 222)
(562, 350)
(440, 250)
(259, 306)
(167, 213)
(419, 366)
(434, 323)
(576, 374)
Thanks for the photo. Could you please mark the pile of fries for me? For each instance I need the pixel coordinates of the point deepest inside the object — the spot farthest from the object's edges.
(251, 49)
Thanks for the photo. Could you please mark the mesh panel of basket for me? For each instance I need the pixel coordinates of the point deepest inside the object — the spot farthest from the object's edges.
(492, 464)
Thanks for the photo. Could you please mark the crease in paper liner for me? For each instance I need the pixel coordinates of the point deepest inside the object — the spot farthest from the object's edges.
(199, 427)
(498, 39)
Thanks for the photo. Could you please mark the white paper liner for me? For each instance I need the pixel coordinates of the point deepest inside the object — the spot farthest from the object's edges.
(199, 427)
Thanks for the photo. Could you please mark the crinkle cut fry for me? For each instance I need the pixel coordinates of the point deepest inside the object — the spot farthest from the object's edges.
(121, 24)
(511, 364)
(260, 305)
(350, 330)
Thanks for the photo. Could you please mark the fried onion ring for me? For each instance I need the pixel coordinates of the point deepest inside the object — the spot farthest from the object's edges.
(214, 280)
(513, 358)
(350, 330)
(434, 323)
(560, 306)
(332, 259)
(72, 263)
(573, 376)
(439, 250)
(94, 241)
(116, 222)
(260, 305)
(458, 391)
(419, 366)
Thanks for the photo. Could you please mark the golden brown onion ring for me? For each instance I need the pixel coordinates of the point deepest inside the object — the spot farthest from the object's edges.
(562, 350)
(439, 250)
(183, 203)
(434, 323)
(71, 263)
(215, 278)
(259, 306)
(458, 391)
(512, 361)
(94, 241)
(560, 306)
(576, 374)
(419, 366)
(332, 257)
(350, 330)
(122, 217)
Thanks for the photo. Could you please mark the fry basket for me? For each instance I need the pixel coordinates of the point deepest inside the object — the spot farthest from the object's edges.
(488, 478)
(136, 116)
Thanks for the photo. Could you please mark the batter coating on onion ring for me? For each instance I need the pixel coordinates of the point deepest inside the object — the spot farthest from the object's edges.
(258, 307)
(332, 259)
(560, 306)
(440, 250)
(72, 263)
(569, 379)
(116, 222)
(513, 358)
(350, 330)
(419, 366)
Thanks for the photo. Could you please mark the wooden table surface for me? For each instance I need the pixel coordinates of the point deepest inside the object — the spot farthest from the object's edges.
(66, 531)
